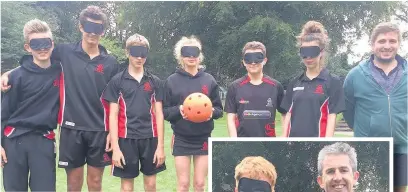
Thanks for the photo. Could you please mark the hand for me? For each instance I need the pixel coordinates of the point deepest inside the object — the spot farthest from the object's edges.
(182, 112)
(3, 157)
(118, 158)
(211, 114)
(159, 157)
(4, 83)
(108, 146)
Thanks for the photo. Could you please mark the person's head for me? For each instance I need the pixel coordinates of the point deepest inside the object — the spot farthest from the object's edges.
(385, 41)
(313, 44)
(92, 24)
(38, 40)
(254, 57)
(188, 52)
(256, 168)
(137, 48)
(337, 167)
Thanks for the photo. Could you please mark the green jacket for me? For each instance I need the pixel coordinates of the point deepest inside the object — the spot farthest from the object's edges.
(371, 112)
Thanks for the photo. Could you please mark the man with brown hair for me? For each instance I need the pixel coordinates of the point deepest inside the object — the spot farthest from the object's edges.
(29, 114)
(255, 174)
(87, 69)
(376, 97)
(252, 100)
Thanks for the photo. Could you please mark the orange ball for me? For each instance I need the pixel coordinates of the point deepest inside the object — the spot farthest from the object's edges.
(197, 107)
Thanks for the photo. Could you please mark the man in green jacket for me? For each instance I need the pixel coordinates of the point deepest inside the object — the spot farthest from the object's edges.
(376, 97)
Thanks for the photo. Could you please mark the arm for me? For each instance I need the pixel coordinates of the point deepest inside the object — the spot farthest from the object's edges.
(158, 111)
(331, 124)
(281, 94)
(336, 105)
(348, 114)
(216, 102)
(285, 124)
(171, 113)
(113, 125)
(286, 106)
(232, 129)
(9, 102)
(5, 86)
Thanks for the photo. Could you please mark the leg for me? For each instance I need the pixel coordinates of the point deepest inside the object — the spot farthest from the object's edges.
(147, 149)
(15, 171)
(75, 178)
(400, 189)
(41, 162)
(400, 172)
(200, 171)
(126, 185)
(149, 183)
(72, 157)
(96, 158)
(183, 172)
(94, 178)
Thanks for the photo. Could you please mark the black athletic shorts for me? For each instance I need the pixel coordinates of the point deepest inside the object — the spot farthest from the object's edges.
(30, 162)
(135, 151)
(400, 170)
(186, 147)
(78, 148)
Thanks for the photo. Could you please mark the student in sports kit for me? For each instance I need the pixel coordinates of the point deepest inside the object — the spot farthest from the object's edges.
(29, 114)
(252, 100)
(136, 119)
(190, 139)
(314, 98)
(255, 173)
(87, 69)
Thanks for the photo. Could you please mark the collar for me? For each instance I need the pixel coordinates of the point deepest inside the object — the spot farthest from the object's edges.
(399, 59)
(146, 75)
(324, 75)
(78, 48)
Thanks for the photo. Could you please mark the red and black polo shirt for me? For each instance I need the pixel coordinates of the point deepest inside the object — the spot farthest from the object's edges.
(310, 101)
(255, 106)
(136, 101)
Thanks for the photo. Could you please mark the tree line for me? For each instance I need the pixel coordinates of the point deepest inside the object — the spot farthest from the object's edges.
(223, 28)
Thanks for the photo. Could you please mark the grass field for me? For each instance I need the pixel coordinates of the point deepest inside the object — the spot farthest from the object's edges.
(166, 181)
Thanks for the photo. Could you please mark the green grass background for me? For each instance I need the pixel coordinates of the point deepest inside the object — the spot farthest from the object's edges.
(166, 180)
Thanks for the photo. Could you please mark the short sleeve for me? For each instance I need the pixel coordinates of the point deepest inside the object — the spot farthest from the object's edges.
(336, 97)
(112, 91)
(288, 97)
(281, 94)
(230, 104)
(158, 89)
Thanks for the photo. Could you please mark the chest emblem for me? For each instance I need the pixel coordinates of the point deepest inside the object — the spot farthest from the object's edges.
(204, 89)
(147, 87)
(99, 68)
(269, 102)
(319, 89)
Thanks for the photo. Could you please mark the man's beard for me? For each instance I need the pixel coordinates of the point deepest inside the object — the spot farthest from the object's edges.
(384, 61)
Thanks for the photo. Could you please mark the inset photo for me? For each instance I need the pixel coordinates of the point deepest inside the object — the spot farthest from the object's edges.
(301, 164)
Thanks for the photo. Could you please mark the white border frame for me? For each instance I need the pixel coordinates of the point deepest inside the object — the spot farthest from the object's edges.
(310, 139)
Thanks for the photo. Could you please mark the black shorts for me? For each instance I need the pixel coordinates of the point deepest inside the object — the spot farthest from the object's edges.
(400, 170)
(78, 148)
(135, 151)
(29, 153)
(186, 147)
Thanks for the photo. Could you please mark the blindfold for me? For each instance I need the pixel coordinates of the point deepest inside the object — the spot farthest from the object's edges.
(40, 43)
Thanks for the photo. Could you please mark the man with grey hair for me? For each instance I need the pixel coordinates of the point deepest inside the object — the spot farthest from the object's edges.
(337, 166)
(376, 97)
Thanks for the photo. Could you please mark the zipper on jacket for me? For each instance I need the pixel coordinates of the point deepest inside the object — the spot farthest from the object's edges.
(389, 112)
